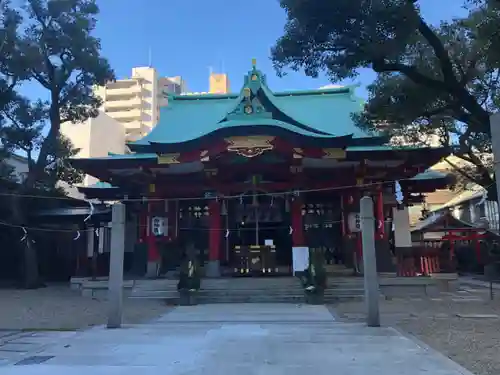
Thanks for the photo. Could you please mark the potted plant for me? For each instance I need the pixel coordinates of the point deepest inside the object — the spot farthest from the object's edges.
(314, 279)
(189, 282)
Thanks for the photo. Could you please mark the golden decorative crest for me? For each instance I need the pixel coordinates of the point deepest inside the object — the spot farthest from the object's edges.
(168, 159)
(334, 153)
(251, 146)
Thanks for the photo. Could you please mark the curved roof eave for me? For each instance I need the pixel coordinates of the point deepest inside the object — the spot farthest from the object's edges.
(267, 127)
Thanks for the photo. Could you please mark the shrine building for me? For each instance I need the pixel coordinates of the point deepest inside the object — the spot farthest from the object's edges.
(244, 178)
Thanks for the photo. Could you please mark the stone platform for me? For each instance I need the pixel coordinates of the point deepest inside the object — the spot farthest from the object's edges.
(272, 289)
(238, 338)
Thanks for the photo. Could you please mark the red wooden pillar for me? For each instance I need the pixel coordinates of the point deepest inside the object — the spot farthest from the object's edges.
(153, 253)
(215, 231)
(214, 239)
(380, 215)
(143, 224)
(343, 215)
(297, 222)
(171, 215)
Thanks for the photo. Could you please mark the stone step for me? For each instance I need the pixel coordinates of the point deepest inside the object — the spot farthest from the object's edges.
(233, 290)
(256, 294)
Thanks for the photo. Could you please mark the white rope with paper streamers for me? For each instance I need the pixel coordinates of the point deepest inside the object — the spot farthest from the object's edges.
(96, 232)
(290, 231)
(91, 212)
(227, 233)
(77, 236)
(25, 235)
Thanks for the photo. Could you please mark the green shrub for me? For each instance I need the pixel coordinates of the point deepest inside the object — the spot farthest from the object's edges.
(189, 279)
(314, 279)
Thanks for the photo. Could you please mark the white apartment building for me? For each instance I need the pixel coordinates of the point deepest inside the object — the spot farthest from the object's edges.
(95, 137)
(135, 102)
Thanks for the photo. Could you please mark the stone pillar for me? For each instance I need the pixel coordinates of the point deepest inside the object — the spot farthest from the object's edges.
(402, 242)
(297, 223)
(115, 283)
(369, 263)
(214, 240)
(402, 234)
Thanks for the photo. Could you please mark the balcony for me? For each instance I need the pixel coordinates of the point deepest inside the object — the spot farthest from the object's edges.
(124, 91)
(132, 125)
(126, 103)
(130, 115)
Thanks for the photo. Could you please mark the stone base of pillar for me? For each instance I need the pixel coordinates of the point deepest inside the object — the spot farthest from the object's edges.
(212, 268)
(152, 269)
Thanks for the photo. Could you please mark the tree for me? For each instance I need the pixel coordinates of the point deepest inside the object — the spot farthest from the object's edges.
(54, 47)
(419, 114)
(439, 81)
(340, 37)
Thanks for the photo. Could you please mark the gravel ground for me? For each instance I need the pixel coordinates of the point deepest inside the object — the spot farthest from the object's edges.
(473, 342)
(59, 308)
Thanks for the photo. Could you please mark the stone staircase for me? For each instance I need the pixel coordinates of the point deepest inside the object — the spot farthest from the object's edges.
(165, 289)
(342, 289)
(250, 290)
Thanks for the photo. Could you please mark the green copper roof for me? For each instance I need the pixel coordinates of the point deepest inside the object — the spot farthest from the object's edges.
(101, 185)
(429, 175)
(133, 156)
(270, 122)
(322, 113)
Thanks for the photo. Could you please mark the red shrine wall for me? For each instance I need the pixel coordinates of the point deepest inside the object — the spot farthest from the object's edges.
(351, 240)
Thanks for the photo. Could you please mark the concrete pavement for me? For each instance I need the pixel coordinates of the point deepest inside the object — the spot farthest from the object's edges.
(243, 338)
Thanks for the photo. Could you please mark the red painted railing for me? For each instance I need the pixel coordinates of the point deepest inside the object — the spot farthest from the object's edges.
(418, 261)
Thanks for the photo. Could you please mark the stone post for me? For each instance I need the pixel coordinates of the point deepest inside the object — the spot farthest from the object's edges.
(495, 145)
(115, 283)
(402, 228)
(369, 262)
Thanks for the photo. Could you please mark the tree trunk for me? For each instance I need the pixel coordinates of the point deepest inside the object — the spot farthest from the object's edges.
(31, 276)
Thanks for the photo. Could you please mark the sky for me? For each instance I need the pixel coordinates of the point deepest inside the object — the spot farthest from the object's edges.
(190, 37)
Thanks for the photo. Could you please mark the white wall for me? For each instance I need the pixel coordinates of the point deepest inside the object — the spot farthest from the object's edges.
(95, 138)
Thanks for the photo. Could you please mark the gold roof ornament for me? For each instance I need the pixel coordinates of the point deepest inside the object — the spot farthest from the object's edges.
(254, 62)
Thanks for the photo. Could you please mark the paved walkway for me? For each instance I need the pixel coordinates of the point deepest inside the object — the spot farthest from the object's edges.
(244, 339)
